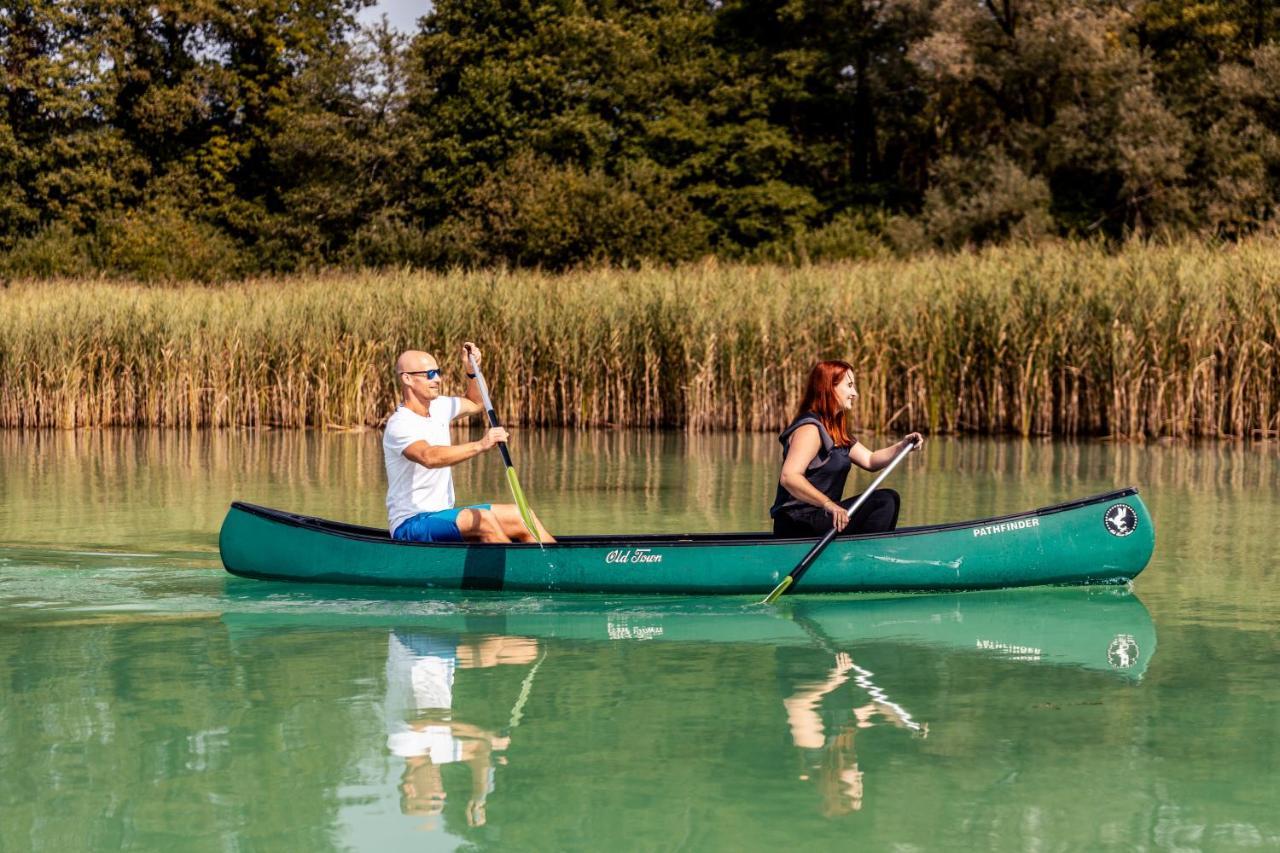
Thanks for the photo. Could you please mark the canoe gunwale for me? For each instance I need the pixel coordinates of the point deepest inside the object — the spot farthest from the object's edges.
(379, 535)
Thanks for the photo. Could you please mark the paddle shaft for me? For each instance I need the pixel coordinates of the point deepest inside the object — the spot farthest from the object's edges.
(816, 550)
(522, 503)
(488, 407)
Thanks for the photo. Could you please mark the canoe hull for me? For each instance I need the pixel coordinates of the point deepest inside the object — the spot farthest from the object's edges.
(1071, 543)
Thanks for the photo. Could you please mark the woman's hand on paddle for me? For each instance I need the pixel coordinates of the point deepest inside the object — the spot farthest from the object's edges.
(470, 351)
(839, 515)
(493, 437)
(915, 436)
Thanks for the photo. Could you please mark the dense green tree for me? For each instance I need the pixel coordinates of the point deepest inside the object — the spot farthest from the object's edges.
(1215, 64)
(59, 161)
(632, 114)
(839, 80)
(1062, 90)
(1190, 39)
(126, 114)
(1240, 149)
(210, 138)
(335, 153)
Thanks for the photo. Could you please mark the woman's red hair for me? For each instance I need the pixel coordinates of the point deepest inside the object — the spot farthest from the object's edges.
(820, 398)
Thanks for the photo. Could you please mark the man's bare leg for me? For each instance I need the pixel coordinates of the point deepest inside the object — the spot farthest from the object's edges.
(481, 525)
(508, 516)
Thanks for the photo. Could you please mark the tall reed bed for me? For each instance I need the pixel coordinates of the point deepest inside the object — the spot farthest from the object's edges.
(1064, 339)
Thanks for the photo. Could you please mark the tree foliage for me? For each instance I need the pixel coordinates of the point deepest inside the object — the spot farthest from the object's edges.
(210, 138)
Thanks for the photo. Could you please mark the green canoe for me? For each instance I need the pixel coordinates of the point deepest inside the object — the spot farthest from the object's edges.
(1103, 539)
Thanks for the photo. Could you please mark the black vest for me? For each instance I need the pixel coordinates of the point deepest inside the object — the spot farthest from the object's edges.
(827, 473)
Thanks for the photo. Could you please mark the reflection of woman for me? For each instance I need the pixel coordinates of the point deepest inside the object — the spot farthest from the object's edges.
(421, 727)
(817, 455)
(829, 756)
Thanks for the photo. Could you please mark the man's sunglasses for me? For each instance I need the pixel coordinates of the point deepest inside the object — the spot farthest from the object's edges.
(430, 374)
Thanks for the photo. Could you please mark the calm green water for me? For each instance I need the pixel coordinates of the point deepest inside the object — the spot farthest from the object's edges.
(149, 701)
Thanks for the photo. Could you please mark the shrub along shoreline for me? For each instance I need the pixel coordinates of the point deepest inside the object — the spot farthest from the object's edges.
(1061, 339)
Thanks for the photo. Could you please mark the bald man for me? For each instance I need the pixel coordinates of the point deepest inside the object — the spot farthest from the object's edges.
(419, 455)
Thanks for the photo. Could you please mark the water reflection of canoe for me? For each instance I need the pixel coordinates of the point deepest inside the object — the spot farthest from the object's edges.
(1103, 539)
(1094, 628)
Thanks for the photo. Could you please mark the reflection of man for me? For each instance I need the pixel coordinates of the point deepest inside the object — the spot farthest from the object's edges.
(421, 728)
(830, 756)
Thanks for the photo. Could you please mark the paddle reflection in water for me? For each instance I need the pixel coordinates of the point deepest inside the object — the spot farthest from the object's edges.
(423, 726)
(827, 750)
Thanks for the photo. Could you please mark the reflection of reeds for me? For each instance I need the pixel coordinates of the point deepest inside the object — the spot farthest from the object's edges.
(164, 490)
(1066, 340)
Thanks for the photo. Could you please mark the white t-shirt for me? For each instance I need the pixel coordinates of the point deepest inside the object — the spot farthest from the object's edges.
(414, 488)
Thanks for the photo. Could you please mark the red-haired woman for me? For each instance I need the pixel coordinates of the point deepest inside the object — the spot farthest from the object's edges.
(817, 452)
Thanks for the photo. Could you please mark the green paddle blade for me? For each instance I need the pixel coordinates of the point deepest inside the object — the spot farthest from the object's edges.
(778, 590)
(522, 503)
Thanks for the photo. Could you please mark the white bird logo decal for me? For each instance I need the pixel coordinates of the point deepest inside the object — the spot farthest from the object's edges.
(1119, 519)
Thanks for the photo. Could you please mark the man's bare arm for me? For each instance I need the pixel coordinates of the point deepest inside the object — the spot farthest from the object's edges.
(442, 456)
(471, 404)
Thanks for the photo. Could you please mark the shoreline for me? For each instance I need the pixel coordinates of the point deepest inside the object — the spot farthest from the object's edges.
(1259, 440)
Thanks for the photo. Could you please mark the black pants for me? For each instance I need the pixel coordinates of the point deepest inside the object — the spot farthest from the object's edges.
(878, 514)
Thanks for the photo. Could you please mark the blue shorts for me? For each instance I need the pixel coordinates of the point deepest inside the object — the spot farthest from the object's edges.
(439, 526)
